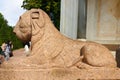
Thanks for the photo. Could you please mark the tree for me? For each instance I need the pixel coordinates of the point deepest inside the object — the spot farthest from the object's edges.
(3, 26)
(51, 7)
(6, 33)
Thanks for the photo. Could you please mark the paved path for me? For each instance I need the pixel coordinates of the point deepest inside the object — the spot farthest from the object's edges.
(18, 52)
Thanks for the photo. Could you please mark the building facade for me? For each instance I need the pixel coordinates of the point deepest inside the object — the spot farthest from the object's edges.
(94, 20)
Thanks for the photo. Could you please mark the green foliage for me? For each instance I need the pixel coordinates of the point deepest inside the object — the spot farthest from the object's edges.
(6, 33)
(52, 7)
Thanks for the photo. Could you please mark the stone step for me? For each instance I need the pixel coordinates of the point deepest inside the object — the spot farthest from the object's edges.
(59, 74)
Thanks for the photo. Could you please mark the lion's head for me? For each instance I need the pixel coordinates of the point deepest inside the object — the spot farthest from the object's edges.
(29, 24)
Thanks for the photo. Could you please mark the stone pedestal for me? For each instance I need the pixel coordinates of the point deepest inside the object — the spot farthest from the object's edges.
(59, 74)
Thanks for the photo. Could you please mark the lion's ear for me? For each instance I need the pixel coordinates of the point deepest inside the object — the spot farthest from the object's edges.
(37, 18)
(35, 15)
(37, 21)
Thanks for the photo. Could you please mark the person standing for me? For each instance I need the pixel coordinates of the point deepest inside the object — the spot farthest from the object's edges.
(8, 50)
(2, 54)
(11, 47)
(3, 47)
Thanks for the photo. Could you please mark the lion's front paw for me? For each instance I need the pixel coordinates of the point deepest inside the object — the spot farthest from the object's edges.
(82, 65)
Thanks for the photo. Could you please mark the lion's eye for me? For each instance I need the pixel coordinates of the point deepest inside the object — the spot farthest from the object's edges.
(23, 29)
(21, 26)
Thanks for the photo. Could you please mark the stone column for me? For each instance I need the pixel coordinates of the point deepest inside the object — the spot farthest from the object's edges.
(91, 20)
(69, 18)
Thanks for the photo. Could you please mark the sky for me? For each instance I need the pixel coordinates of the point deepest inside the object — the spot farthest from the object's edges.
(11, 10)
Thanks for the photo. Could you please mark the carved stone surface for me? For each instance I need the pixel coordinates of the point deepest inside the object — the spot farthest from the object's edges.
(51, 50)
(60, 74)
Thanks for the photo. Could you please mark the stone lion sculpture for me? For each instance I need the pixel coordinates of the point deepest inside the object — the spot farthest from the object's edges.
(49, 47)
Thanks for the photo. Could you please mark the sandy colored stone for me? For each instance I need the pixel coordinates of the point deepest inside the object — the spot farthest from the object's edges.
(50, 50)
(49, 46)
(59, 74)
